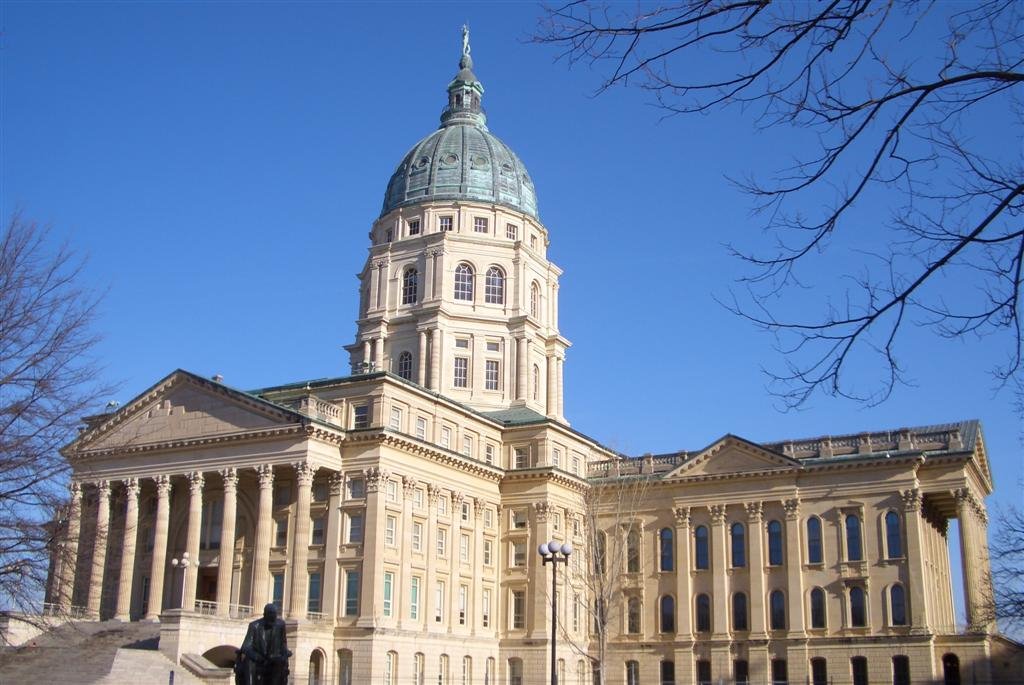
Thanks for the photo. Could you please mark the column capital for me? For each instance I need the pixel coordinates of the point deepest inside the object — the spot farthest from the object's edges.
(75, 488)
(755, 511)
(335, 483)
(792, 507)
(230, 476)
(375, 478)
(541, 511)
(717, 512)
(912, 500)
(478, 509)
(458, 497)
(163, 485)
(131, 487)
(408, 486)
(433, 493)
(682, 515)
(195, 482)
(304, 472)
(265, 473)
(103, 489)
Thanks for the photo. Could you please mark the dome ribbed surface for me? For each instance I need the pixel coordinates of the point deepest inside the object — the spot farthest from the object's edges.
(461, 161)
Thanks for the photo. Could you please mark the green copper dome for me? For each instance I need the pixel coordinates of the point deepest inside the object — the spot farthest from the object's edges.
(462, 160)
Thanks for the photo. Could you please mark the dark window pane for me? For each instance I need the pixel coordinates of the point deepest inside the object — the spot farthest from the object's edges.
(777, 603)
(702, 556)
(814, 554)
(774, 543)
(900, 670)
(858, 612)
(703, 614)
(703, 672)
(739, 611)
(780, 673)
(667, 550)
(893, 542)
(859, 670)
(817, 608)
(668, 673)
(853, 546)
(668, 614)
(898, 603)
(819, 672)
(741, 671)
(739, 546)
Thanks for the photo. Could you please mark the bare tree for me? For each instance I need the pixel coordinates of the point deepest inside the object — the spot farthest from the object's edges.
(611, 555)
(1007, 555)
(915, 121)
(48, 381)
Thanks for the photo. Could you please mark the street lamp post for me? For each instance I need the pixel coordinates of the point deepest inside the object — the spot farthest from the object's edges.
(182, 563)
(549, 552)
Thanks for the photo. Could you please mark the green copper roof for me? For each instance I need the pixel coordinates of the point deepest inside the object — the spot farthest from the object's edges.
(462, 160)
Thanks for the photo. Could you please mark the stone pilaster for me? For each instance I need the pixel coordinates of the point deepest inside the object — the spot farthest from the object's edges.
(719, 579)
(373, 541)
(131, 531)
(298, 604)
(794, 569)
(915, 555)
(435, 359)
(552, 386)
(421, 368)
(430, 555)
(158, 569)
(755, 537)
(226, 555)
(195, 521)
(332, 540)
(522, 367)
(684, 599)
(404, 540)
(69, 560)
(264, 535)
(99, 554)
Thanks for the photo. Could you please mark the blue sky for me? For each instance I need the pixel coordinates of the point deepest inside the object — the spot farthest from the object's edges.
(221, 164)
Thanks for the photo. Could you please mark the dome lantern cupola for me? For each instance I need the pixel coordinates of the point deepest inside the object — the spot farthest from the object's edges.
(464, 92)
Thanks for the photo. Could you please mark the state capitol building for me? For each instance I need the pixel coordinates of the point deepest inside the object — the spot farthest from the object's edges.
(394, 514)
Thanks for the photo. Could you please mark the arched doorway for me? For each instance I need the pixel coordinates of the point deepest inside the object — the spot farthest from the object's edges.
(950, 669)
(223, 656)
(317, 661)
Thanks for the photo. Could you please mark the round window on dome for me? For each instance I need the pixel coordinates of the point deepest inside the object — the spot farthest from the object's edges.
(450, 159)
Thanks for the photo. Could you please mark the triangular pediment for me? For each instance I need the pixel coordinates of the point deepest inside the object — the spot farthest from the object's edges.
(732, 455)
(182, 407)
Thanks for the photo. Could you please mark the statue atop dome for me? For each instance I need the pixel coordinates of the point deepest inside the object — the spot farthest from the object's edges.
(465, 40)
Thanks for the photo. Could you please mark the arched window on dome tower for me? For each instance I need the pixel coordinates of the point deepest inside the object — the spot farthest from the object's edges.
(535, 300)
(494, 286)
(405, 365)
(464, 282)
(410, 285)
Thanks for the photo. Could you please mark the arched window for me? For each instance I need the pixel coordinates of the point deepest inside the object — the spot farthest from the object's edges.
(817, 608)
(701, 556)
(858, 609)
(632, 551)
(739, 612)
(515, 671)
(632, 673)
(668, 673)
(536, 383)
(814, 551)
(950, 669)
(390, 662)
(581, 672)
(703, 613)
(901, 670)
(774, 543)
(419, 668)
(854, 552)
(666, 549)
(345, 667)
(405, 365)
(464, 282)
(443, 673)
(893, 540)
(633, 616)
(535, 300)
(410, 285)
(467, 668)
(859, 670)
(898, 605)
(739, 545)
(494, 286)
(667, 609)
(316, 668)
(819, 671)
(777, 609)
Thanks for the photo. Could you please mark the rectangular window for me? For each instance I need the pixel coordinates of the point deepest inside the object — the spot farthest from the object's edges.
(316, 536)
(780, 672)
(361, 416)
(392, 490)
(389, 587)
(390, 524)
(556, 458)
(576, 528)
(355, 528)
(519, 518)
(480, 224)
(519, 554)
(465, 511)
(485, 600)
(414, 599)
(488, 518)
(703, 672)
(511, 231)
(520, 458)
(445, 223)
(577, 609)
(901, 670)
(442, 542)
(421, 428)
(313, 598)
(396, 418)
(462, 343)
(414, 226)
(446, 437)
(461, 378)
(489, 454)
(464, 548)
(467, 446)
(442, 505)
(352, 593)
(492, 374)
(439, 601)
(556, 521)
(741, 671)
(463, 602)
(859, 670)
(576, 465)
(417, 536)
(533, 242)
(493, 346)
(278, 596)
(488, 547)
(281, 534)
(819, 672)
(518, 610)
(417, 498)
(356, 488)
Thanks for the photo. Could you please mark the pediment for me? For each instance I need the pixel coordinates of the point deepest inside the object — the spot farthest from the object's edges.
(183, 407)
(733, 456)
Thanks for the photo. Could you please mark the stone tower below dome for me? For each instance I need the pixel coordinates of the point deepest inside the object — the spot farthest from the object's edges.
(457, 294)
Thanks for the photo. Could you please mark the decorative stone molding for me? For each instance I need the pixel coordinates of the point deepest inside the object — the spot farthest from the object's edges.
(335, 483)
(230, 476)
(102, 488)
(541, 511)
(76, 490)
(458, 498)
(265, 474)
(755, 511)
(163, 485)
(409, 486)
(195, 482)
(792, 507)
(304, 472)
(131, 487)
(717, 512)
(682, 515)
(433, 493)
(375, 477)
(912, 500)
(478, 508)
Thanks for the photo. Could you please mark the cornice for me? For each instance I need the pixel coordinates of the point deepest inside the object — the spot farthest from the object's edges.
(384, 437)
(168, 445)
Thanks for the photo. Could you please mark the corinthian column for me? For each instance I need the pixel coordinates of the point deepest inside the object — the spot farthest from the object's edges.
(720, 579)
(131, 530)
(195, 519)
(264, 529)
(421, 369)
(435, 359)
(794, 569)
(99, 553)
(69, 560)
(300, 545)
(755, 536)
(226, 556)
(159, 567)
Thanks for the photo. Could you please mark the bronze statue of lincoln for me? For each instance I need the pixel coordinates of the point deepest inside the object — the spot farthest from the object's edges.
(263, 658)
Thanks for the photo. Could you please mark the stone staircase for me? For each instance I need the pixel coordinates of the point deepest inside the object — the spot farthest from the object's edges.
(92, 653)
